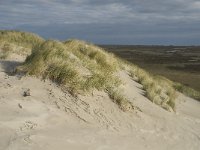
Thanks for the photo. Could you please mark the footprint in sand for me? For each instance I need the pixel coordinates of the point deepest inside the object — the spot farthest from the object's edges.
(28, 125)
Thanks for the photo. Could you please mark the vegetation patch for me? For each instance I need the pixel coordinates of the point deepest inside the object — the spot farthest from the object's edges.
(62, 62)
(7, 49)
(16, 42)
(24, 39)
(118, 98)
(187, 91)
(82, 67)
(158, 89)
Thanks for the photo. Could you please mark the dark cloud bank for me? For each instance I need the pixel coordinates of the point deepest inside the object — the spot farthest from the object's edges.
(167, 22)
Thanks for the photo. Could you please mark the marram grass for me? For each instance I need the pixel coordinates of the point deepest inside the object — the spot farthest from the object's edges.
(82, 67)
(158, 89)
(25, 39)
(16, 42)
(187, 91)
(7, 49)
(61, 62)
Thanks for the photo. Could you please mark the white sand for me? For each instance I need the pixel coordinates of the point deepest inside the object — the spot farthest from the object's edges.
(51, 119)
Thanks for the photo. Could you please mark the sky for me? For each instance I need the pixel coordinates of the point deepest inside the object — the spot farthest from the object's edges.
(136, 22)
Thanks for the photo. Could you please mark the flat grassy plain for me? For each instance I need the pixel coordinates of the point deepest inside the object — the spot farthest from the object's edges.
(177, 63)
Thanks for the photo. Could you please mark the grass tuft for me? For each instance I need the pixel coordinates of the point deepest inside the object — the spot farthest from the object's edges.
(118, 98)
(8, 49)
(82, 67)
(187, 91)
(158, 89)
(24, 39)
(16, 42)
(62, 62)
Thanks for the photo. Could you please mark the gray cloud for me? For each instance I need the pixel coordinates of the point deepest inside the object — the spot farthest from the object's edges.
(105, 20)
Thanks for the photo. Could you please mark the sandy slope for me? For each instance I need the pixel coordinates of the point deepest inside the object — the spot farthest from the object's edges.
(51, 119)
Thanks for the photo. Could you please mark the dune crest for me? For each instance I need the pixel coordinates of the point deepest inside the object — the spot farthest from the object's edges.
(81, 97)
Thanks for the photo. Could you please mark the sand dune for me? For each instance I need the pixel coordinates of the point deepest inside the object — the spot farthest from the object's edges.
(51, 118)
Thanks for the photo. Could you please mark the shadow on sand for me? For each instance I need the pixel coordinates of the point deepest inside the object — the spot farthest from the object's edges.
(9, 66)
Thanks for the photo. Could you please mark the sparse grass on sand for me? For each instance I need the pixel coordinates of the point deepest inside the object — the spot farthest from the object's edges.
(7, 49)
(17, 42)
(77, 66)
(158, 89)
(187, 91)
(24, 39)
(82, 67)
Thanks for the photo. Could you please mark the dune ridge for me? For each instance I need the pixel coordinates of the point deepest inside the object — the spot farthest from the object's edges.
(82, 97)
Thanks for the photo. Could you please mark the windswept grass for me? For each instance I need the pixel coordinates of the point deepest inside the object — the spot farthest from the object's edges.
(7, 49)
(158, 89)
(92, 54)
(82, 67)
(187, 91)
(62, 62)
(117, 96)
(24, 39)
(17, 42)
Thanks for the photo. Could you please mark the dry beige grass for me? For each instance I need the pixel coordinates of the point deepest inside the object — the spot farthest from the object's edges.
(82, 67)
(158, 89)
(187, 91)
(24, 39)
(17, 42)
(62, 63)
(8, 49)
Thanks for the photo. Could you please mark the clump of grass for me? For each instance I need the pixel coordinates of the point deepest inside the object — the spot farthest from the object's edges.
(61, 63)
(100, 81)
(4, 55)
(5, 50)
(8, 49)
(187, 91)
(92, 54)
(48, 53)
(52, 60)
(118, 98)
(159, 90)
(24, 39)
(17, 42)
